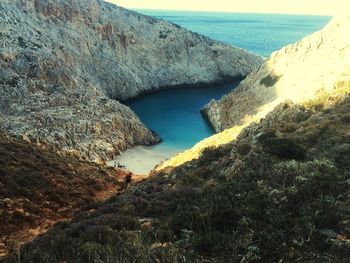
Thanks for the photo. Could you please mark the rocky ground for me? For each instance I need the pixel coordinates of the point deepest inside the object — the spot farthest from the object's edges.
(62, 64)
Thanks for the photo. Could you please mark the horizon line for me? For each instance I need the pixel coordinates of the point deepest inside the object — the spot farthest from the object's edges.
(226, 12)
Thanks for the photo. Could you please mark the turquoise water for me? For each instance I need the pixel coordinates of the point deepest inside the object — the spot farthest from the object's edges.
(174, 114)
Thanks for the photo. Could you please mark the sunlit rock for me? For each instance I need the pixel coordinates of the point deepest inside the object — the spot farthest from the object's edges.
(315, 70)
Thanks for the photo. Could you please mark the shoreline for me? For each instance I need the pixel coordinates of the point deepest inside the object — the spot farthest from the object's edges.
(204, 85)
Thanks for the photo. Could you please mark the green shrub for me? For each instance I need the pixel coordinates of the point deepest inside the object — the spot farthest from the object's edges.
(269, 80)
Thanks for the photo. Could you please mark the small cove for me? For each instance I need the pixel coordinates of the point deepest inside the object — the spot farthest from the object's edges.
(175, 115)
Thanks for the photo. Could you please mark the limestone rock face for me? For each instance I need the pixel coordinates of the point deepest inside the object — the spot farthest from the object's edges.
(63, 61)
(318, 64)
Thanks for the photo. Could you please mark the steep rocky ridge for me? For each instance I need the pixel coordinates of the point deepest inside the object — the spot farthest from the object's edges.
(61, 63)
(317, 63)
(315, 68)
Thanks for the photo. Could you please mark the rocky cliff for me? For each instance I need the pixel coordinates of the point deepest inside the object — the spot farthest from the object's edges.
(317, 64)
(313, 69)
(62, 64)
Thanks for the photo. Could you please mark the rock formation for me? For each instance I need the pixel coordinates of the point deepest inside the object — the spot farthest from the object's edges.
(63, 62)
(316, 64)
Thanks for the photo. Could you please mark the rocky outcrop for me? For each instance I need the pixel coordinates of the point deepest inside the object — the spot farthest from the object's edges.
(95, 128)
(62, 62)
(317, 64)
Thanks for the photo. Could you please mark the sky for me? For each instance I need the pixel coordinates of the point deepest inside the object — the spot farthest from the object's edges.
(313, 7)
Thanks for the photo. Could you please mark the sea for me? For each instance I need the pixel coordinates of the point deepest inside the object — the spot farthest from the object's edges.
(175, 113)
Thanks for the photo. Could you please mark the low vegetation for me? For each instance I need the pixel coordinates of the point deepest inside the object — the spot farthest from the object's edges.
(246, 201)
(39, 187)
(269, 80)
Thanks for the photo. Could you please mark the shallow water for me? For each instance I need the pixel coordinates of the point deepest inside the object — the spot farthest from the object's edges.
(174, 114)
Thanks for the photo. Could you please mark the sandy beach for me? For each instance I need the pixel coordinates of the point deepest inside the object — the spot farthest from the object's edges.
(142, 159)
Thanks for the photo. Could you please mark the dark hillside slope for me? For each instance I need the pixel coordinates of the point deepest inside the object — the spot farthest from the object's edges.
(279, 193)
(39, 187)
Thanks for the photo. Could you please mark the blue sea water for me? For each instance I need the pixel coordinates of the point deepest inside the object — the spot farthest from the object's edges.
(174, 114)
(259, 33)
